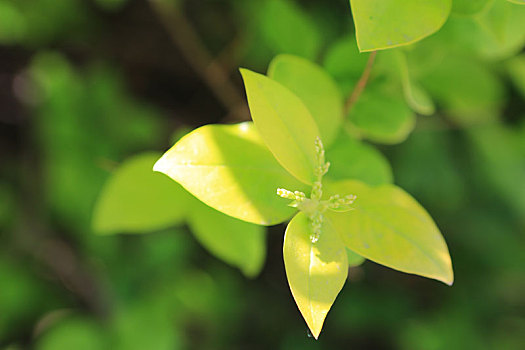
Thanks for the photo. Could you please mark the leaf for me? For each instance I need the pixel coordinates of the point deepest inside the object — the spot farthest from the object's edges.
(469, 7)
(238, 243)
(352, 159)
(316, 272)
(229, 168)
(516, 69)
(354, 259)
(285, 124)
(467, 90)
(315, 88)
(519, 2)
(389, 227)
(383, 24)
(496, 152)
(382, 117)
(137, 200)
(74, 333)
(345, 63)
(416, 97)
(287, 29)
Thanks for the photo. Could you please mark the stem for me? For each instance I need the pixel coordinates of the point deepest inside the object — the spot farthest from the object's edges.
(361, 84)
(197, 56)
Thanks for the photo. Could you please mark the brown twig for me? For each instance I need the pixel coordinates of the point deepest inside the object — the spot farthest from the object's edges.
(209, 70)
(361, 84)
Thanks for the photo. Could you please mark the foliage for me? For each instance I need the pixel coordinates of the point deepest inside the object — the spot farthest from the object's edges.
(423, 100)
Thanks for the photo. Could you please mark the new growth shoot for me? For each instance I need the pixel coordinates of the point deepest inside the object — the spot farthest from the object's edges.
(314, 206)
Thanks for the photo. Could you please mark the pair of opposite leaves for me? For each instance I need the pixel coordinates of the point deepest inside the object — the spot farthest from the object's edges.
(237, 170)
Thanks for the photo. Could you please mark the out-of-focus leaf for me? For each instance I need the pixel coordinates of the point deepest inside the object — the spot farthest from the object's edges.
(137, 200)
(345, 63)
(12, 23)
(316, 272)
(381, 117)
(519, 2)
(383, 24)
(516, 69)
(229, 168)
(469, 7)
(503, 27)
(352, 159)
(22, 296)
(74, 333)
(315, 88)
(354, 259)
(238, 243)
(498, 154)
(389, 227)
(284, 123)
(287, 29)
(466, 89)
(416, 97)
(149, 324)
(436, 180)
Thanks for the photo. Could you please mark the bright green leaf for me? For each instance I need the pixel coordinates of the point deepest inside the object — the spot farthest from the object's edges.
(382, 117)
(352, 159)
(285, 124)
(316, 272)
(238, 243)
(383, 24)
(519, 2)
(315, 88)
(138, 200)
(229, 168)
(389, 227)
(287, 29)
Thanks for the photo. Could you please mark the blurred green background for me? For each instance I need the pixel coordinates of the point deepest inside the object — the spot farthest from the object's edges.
(85, 84)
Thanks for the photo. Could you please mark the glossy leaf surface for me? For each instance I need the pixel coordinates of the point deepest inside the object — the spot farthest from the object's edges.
(383, 24)
(389, 227)
(316, 272)
(284, 123)
(229, 168)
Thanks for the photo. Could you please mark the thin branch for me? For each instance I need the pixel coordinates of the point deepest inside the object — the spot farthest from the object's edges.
(361, 84)
(197, 56)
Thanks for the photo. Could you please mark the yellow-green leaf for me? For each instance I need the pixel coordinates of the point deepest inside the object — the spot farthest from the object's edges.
(229, 168)
(389, 227)
(315, 88)
(137, 200)
(238, 243)
(316, 272)
(285, 124)
(383, 24)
